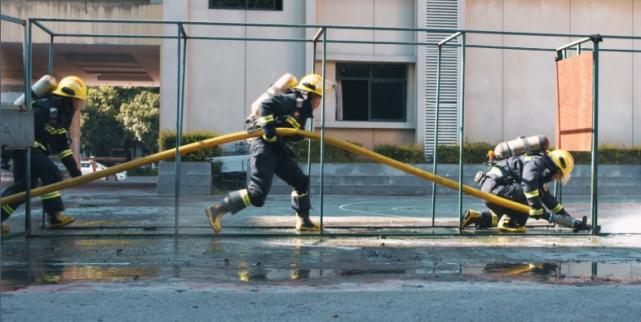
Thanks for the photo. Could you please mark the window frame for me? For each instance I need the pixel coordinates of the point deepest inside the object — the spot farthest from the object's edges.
(371, 79)
(278, 6)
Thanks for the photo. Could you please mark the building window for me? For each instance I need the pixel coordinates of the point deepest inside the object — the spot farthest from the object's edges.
(246, 4)
(371, 92)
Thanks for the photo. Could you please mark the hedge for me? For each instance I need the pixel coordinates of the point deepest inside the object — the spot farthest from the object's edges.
(408, 153)
(332, 153)
(168, 141)
(476, 153)
(609, 154)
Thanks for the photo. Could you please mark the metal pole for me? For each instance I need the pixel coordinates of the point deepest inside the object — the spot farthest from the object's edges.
(322, 130)
(50, 72)
(437, 108)
(311, 129)
(27, 95)
(595, 132)
(50, 67)
(178, 136)
(461, 130)
(558, 188)
(182, 92)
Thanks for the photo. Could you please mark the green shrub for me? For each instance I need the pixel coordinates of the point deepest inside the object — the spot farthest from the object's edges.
(332, 153)
(408, 153)
(609, 154)
(411, 153)
(475, 153)
(168, 141)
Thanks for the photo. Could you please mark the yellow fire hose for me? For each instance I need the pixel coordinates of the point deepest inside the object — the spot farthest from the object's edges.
(189, 148)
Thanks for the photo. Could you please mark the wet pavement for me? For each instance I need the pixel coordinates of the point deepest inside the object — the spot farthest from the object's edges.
(292, 261)
(120, 262)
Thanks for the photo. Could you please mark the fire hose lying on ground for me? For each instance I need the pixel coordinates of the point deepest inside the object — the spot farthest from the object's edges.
(193, 147)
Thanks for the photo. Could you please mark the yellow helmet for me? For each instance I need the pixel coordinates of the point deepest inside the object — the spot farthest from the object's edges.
(72, 86)
(564, 161)
(312, 83)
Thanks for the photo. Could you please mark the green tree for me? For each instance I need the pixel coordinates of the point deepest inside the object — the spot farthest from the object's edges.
(140, 118)
(101, 131)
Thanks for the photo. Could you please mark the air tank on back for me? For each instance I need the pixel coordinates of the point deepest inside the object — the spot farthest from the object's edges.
(44, 85)
(521, 145)
(283, 83)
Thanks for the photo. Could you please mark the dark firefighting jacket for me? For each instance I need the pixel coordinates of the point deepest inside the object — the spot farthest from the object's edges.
(52, 119)
(286, 110)
(533, 172)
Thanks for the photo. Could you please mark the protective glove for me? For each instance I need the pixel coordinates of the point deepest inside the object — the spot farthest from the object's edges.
(269, 134)
(71, 166)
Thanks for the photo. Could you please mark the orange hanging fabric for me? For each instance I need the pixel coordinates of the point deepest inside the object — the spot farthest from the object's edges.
(574, 103)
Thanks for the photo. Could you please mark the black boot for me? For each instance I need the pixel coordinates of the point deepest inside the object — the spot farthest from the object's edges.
(481, 220)
(301, 204)
(58, 219)
(6, 212)
(470, 217)
(304, 223)
(508, 225)
(233, 203)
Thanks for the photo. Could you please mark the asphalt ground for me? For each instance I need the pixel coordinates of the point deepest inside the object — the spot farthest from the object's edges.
(121, 262)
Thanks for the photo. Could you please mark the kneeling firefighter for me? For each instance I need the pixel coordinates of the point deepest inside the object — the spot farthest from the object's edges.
(523, 179)
(53, 114)
(286, 104)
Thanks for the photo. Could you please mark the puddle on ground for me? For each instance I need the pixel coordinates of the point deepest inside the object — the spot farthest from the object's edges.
(20, 276)
(16, 276)
(556, 273)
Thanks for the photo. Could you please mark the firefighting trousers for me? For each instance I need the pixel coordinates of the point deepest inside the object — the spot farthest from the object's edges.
(42, 170)
(268, 159)
(509, 190)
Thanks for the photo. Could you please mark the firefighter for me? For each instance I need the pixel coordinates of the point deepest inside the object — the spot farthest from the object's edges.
(523, 179)
(271, 155)
(52, 118)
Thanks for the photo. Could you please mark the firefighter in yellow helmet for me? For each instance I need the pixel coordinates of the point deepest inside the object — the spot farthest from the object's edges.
(271, 155)
(53, 114)
(523, 179)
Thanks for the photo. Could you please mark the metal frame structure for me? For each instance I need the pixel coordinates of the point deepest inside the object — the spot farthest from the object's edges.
(562, 53)
(182, 38)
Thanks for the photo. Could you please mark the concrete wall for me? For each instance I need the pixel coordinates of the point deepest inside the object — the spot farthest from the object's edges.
(508, 93)
(373, 137)
(69, 9)
(98, 61)
(511, 93)
(224, 77)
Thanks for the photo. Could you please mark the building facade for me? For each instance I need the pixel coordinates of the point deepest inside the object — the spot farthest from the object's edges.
(384, 94)
(379, 93)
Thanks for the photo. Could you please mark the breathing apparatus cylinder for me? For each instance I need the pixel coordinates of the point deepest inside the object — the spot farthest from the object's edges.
(44, 85)
(521, 145)
(284, 83)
